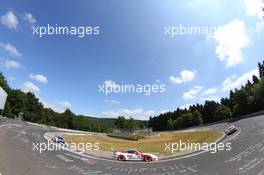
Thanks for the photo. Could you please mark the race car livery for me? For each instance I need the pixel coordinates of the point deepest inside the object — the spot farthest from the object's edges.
(134, 155)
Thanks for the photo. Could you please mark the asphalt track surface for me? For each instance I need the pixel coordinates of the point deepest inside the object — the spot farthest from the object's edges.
(18, 158)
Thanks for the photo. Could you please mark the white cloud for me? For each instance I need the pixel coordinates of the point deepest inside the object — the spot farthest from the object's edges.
(131, 112)
(260, 26)
(39, 77)
(209, 94)
(192, 94)
(231, 39)
(111, 114)
(111, 101)
(186, 106)
(59, 106)
(12, 50)
(11, 64)
(109, 82)
(209, 91)
(30, 87)
(175, 80)
(29, 18)
(212, 98)
(165, 111)
(149, 113)
(137, 113)
(233, 81)
(198, 92)
(46, 104)
(254, 8)
(185, 76)
(158, 81)
(62, 105)
(9, 20)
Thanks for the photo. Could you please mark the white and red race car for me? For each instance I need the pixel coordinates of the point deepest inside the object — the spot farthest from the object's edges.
(134, 155)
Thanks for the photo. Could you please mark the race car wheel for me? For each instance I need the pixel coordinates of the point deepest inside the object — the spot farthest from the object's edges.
(147, 159)
(121, 158)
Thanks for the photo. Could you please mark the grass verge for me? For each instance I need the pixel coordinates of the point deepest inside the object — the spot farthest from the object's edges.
(154, 144)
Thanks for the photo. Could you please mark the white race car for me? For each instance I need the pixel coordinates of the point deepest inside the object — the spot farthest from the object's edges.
(231, 129)
(58, 139)
(134, 155)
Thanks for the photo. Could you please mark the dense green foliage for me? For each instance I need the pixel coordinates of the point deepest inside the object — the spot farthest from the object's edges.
(246, 100)
(129, 124)
(222, 112)
(34, 111)
(188, 119)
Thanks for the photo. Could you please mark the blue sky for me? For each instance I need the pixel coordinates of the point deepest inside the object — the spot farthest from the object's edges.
(132, 47)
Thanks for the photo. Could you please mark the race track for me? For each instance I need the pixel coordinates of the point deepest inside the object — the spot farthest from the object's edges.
(18, 158)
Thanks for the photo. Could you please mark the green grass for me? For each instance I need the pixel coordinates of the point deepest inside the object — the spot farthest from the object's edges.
(154, 144)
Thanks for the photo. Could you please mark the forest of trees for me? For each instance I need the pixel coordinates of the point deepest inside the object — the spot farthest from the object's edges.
(129, 124)
(34, 111)
(246, 100)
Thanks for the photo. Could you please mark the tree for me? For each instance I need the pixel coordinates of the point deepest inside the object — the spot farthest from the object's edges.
(248, 84)
(255, 79)
(16, 100)
(209, 111)
(241, 104)
(34, 108)
(258, 94)
(68, 118)
(170, 124)
(187, 120)
(261, 69)
(197, 118)
(241, 101)
(3, 83)
(120, 122)
(130, 124)
(227, 102)
(183, 121)
(222, 113)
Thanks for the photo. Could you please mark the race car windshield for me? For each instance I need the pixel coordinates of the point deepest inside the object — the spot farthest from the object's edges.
(132, 151)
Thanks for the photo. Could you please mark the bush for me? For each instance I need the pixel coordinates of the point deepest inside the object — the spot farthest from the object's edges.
(222, 113)
(187, 120)
(197, 118)
(127, 136)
